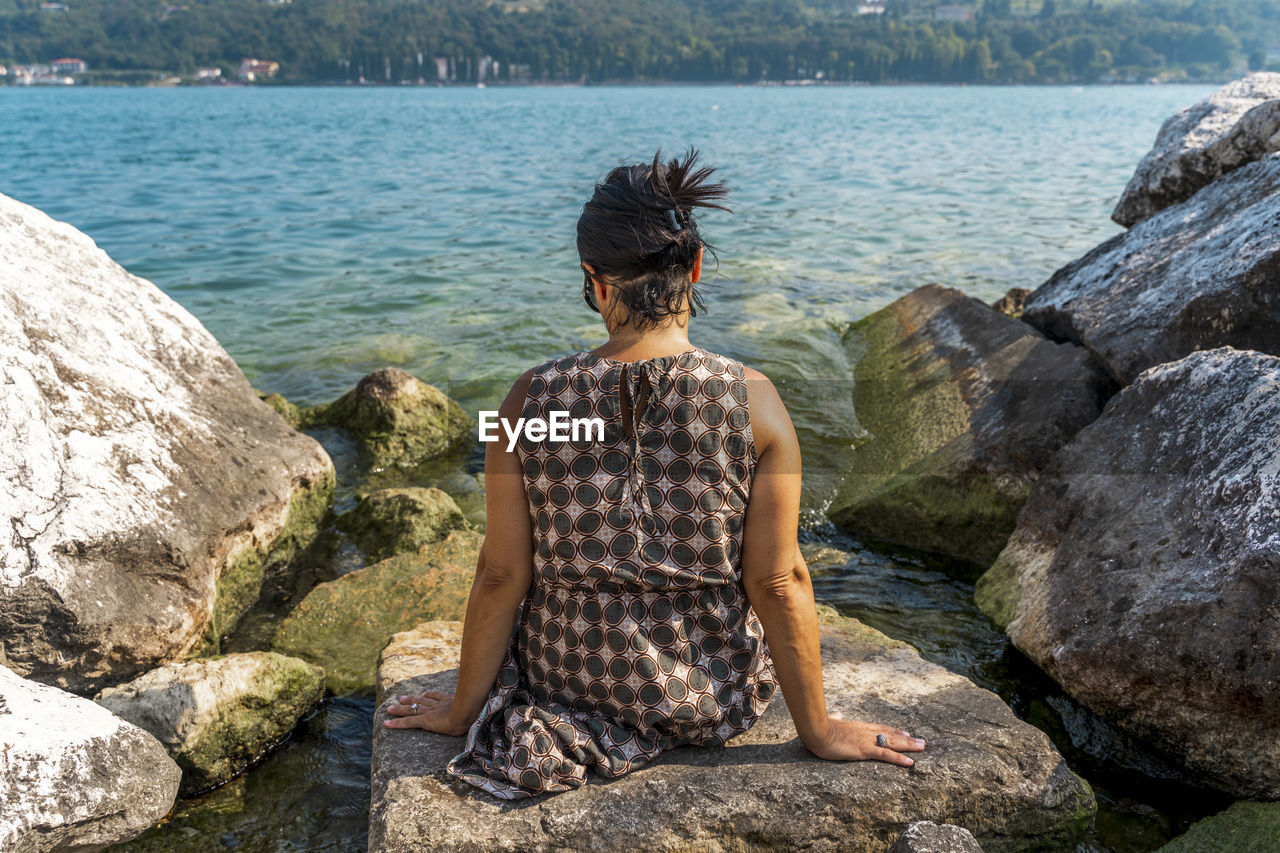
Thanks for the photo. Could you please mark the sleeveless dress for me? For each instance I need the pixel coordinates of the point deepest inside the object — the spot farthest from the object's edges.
(636, 635)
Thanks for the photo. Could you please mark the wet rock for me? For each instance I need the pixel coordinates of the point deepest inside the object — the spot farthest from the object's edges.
(983, 767)
(1144, 575)
(216, 716)
(398, 419)
(392, 521)
(1235, 125)
(1245, 827)
(1197, 275)
(343, 624)
(73, 776)
(1012, 303)
(148, 488)
(964, 406)
(925, 836)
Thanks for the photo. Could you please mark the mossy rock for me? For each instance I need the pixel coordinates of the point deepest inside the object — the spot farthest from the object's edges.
(342, 625)
(1245, 827)
(962, 406)
(393, 521)
(240, 584)
(397, 418)
(215, 716)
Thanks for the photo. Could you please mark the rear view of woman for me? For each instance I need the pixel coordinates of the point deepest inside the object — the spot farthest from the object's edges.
(644, 589)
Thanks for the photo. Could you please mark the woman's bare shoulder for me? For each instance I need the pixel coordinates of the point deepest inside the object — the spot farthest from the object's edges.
(770, 421)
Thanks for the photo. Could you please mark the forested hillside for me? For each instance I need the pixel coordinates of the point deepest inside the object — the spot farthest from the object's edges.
(633, 40)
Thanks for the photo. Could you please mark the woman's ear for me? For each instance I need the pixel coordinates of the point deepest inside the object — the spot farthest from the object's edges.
(697, 267)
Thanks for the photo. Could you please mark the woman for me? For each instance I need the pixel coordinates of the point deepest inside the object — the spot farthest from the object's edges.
(643, 573)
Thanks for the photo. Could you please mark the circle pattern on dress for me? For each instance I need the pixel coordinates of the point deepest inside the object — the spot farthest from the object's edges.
(637, 635)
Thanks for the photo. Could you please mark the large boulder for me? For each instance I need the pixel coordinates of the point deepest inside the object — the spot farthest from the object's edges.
(147, 487)
(1197, 275)
(387, 522)
(215, 716)
(983, 769)
(1245, 827)
(73, 776)
(963, 406)
(343, 624)
(1235, 125)
(396, 418)
(1144, 574)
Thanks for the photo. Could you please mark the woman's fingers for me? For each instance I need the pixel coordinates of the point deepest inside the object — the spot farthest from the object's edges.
(406, 707)
(893, 757)
(905, 743)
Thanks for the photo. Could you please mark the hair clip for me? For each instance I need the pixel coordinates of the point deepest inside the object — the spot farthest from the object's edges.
(673, 219)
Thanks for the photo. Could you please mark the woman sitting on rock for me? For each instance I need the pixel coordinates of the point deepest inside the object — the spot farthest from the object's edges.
(642, 572)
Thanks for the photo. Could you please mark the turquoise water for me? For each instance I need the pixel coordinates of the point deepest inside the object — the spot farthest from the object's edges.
(320, 233)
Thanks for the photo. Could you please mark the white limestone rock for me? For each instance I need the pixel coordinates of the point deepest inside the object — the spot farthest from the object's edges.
(147, 486)
(215, 716)
(1235, 125)
(73, 776)
(1200, 274)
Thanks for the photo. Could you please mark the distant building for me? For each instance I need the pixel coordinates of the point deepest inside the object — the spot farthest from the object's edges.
(875, 7)
(252, 70)
(208, 73)
(69, 66)
(53, 7)
(4, 72)
(442, 68)
(953, 13)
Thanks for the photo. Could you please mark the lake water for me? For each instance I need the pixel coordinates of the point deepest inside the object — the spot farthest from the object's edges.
(320, 233)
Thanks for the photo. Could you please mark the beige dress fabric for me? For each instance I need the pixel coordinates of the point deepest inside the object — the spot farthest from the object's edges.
(636, 635)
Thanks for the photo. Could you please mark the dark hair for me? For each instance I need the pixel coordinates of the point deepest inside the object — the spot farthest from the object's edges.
(638, 231)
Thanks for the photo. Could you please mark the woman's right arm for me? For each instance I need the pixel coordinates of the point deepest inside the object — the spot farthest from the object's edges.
(777, 584)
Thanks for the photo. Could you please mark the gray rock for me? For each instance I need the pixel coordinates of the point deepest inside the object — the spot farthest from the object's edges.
(148, 487)
(963, 406)
(925, 836)
(1197, 275)
(216, 716)
(1235, 125)
(73, 776)
(1144, 574)
(984, 766)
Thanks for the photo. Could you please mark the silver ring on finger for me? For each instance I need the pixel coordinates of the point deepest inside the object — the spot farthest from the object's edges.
(881, 740)
(414, 707)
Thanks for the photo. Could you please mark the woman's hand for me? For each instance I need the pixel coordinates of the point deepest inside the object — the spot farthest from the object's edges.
(431, 711)
(850, 740)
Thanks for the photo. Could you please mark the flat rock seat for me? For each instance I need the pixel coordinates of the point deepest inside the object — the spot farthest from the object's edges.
(984, 770)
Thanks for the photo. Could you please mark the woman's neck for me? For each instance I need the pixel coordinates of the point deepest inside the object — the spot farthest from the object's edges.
(629, 344)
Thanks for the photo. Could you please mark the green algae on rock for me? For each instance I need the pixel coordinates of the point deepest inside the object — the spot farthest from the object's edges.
(397, 418)
(216, 715)
(392, 521)
(963, 405)
(1245, 827)
(239, 585)
(983, 769)
(342, 625)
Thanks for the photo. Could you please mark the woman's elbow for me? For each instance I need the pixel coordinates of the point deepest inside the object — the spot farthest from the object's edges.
(497, 577)
(781, 588)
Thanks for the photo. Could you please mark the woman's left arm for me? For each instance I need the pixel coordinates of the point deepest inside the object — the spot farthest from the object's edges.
(504, 573)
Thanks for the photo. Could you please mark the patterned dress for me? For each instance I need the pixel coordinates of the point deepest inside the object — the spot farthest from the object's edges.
(636, 635)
